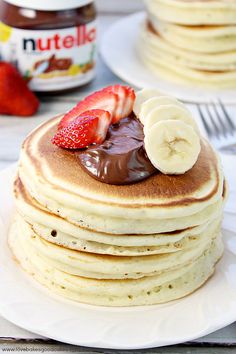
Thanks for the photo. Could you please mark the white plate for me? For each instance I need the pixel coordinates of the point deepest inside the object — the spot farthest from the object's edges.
(32, 307)
(119, 53)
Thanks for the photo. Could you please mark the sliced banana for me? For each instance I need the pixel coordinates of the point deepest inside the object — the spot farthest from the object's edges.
(170, 111)
(142, 96)
(172, 146)
(154, 102)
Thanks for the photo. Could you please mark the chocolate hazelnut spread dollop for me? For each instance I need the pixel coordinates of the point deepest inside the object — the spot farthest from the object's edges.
(121, 159)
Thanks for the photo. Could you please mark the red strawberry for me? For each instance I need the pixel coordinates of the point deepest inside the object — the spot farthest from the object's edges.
(15, 96)
(99, 100)
(104, 121)
(125, 102)
(89, 128)
(78, 134)
(130, 98)
(121, 92)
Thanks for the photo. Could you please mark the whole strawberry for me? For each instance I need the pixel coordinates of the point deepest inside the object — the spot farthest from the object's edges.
(15, 96)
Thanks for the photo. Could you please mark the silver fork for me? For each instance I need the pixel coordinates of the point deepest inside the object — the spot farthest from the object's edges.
(219, 126)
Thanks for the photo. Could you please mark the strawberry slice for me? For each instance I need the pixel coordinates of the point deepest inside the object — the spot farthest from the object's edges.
(130, 98)
(78, 134)
(89, 128)
(99, 100)
(121, 92)
(126, 98)
(104, 121)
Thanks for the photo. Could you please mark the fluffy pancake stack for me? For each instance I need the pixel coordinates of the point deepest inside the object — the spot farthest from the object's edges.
(191, 42)
(115, 245)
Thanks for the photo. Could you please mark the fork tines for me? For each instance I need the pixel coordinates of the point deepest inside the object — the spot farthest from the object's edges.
(216, 120)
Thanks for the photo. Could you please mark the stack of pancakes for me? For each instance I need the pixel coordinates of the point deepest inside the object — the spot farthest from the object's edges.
(137, 244)
(191, 42)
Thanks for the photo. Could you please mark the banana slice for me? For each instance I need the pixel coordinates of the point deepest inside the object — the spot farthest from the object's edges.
(169, 111)
(155, 102)
(172, 146)
(142, 96)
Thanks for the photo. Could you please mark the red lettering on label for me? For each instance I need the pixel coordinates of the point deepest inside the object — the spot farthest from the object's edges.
(56, 39)
(78, 36)
(82, 36)
(68, 41)
(92, 35)
(44, 46)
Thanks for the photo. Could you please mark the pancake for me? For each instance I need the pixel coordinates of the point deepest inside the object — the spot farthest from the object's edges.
(54, 174)
(88, 222)
(40, 218)
(158, 47)
(217, 71)
(90, 241)
(128, 292)
(97, 266)
(194, 12)
(200, 39)
(177, 242)
(189, 77)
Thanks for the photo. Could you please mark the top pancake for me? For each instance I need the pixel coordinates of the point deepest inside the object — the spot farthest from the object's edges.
(59, 168)
(194, 12)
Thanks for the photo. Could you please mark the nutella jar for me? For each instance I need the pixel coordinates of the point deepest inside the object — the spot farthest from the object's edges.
(51, 42)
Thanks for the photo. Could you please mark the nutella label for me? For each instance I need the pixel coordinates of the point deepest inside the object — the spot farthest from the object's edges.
(51, 59)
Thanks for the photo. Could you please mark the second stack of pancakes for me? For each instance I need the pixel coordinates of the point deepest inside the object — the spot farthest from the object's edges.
(191, 42)
(138, 244)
